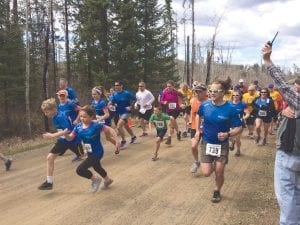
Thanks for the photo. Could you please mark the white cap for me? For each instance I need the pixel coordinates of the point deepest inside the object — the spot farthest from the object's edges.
(241, 80)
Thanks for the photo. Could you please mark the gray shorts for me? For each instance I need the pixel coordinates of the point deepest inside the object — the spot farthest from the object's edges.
(125, 116)
(210, 159)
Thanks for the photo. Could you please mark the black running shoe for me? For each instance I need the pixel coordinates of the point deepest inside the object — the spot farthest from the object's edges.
(179, 135)
(46, 186)
(8, 164)
(168, 142)
(216, 197)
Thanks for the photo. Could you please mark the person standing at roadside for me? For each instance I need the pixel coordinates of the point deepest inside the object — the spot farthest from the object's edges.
(287, 162)
(220, 121)
(144, 104)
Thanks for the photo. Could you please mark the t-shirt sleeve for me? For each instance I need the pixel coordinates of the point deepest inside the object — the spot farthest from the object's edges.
(75, 130)
(65, 123)
(236, 121)
(200, 110)
(166, 117)
(151, 118)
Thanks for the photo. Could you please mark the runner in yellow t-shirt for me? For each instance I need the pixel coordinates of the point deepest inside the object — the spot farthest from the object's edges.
(185, 105)
(277, 98)
(248, 99)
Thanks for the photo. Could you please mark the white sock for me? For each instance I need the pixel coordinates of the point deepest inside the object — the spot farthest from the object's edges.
(50, 179)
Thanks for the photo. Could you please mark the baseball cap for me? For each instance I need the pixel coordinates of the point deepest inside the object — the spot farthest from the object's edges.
(270, 85)
(62, 92)
(200, 87)
(241, 80)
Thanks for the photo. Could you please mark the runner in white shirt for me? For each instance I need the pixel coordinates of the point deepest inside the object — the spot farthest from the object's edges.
(144, 104)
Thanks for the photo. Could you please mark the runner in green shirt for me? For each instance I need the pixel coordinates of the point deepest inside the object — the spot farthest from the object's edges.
(159, 120)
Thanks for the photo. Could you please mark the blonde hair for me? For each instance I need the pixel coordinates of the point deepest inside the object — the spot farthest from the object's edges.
(48, 104)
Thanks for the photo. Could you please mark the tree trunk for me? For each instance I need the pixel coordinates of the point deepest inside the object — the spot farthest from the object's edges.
(55, 84)
(27, 78)
(67, 45)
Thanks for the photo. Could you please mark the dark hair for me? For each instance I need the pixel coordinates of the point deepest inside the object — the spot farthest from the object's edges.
(159, 107)
(89, 109)
(266, 90)
(226, 84)
(119, 82)
(240, 93)
(171, 82)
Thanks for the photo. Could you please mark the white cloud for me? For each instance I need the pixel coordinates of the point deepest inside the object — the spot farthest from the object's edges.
(246, 27)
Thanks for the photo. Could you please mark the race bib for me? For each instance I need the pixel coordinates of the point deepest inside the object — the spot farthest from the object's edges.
(59, 130)
(98, 117)
(213, 150)
(88, 148)
(262, 113)
(172, 105)
(160, 124)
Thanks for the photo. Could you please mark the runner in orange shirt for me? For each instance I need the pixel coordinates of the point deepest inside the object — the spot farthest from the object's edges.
(199, 96)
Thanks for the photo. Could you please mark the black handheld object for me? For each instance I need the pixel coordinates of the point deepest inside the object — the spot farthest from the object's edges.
(271, 42)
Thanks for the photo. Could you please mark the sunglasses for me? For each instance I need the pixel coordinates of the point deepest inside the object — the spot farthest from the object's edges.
(235, 95)
(215, 91)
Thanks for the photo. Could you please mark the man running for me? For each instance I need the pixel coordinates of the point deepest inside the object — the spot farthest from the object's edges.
(123, 100)
(63, 85)
(144, 104)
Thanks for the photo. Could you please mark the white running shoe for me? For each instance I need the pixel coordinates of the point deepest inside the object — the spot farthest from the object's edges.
(195, 167)
(106, 184)
(96, 184)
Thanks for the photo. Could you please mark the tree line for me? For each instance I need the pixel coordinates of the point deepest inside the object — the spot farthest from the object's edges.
(88, 42)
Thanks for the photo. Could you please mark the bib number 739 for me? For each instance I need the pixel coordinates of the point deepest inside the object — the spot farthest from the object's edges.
(213, 150)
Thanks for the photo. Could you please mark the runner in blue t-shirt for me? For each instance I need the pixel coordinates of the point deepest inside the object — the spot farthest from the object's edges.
(67, 106)
(123, 100)
(100, 105)
(62, 125)
(63, 85)
(218, 118)
(241, 109)
(89, 132)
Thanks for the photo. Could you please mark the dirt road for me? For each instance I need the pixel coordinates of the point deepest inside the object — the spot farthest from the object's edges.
(144, 192)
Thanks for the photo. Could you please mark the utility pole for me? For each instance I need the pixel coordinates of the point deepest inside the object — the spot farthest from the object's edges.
(188, 77)
(27, 76)
(193, 40)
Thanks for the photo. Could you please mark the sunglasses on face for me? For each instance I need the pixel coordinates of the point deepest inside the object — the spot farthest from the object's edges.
(215, 91)
(235, 95)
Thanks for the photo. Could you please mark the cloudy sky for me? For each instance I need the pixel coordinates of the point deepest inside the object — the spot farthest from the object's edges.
(245, 26)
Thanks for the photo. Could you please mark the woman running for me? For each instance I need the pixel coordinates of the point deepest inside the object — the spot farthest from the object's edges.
(264, 110)
(89, 132)
(241, 108)
(170, 99)
(218, 118)
(100, 105)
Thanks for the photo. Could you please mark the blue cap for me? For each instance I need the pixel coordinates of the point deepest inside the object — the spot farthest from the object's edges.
(270, 85)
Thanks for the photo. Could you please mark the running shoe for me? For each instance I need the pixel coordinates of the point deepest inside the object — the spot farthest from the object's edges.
(184, 134)
(96, 184)
(179, 135)
(122, 144)
(216, 197)
(195, 167)
(46, 186)
(231, 146)
(143, 134)
(76, 158)
(168, 142)
(189, 130)
(106, 184)
(8, 164)
(264, 142)
(133, 140)
(257, 140)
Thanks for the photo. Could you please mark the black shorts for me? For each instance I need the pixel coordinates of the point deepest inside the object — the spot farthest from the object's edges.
(146, 116)
(250, 120)
(187, 110)
(275, 117)
(174, 113)
(265, 119)
(161, 133)
(60, 148)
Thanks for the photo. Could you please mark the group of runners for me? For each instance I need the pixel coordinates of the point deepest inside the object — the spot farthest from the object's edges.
(213, 116)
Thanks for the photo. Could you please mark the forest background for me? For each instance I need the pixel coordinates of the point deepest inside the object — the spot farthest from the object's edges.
(95, 42)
